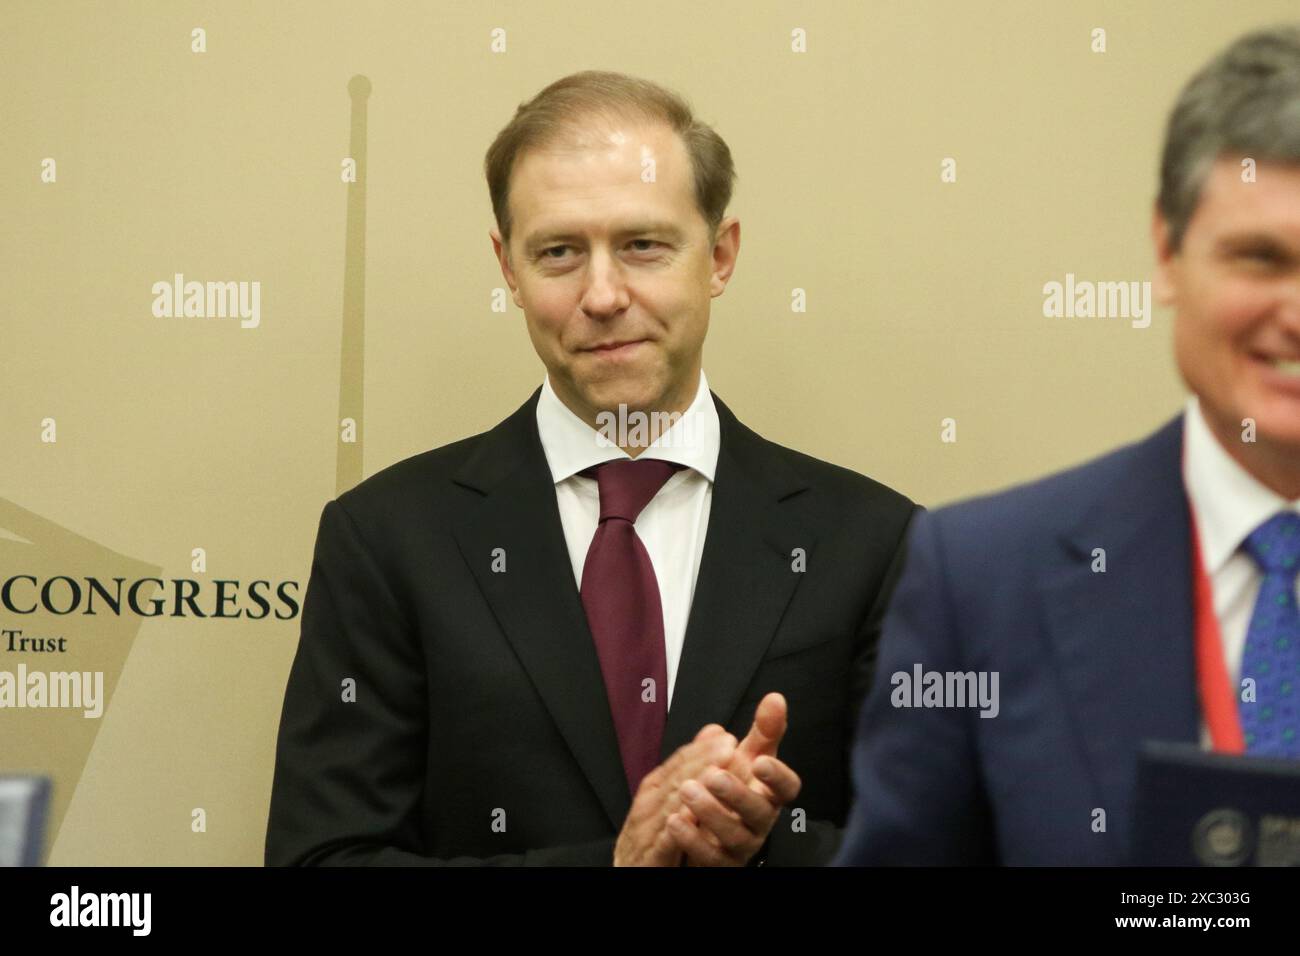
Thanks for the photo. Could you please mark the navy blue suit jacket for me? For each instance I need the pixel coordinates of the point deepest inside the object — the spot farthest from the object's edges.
(1090, 664)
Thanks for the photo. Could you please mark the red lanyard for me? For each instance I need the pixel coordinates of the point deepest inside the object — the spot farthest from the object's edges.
(1218, 696)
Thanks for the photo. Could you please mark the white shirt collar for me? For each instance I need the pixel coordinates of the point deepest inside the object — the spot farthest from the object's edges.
(572, 445)
(1229, 502)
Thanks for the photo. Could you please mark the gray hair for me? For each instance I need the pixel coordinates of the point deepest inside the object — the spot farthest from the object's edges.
(1246, 101)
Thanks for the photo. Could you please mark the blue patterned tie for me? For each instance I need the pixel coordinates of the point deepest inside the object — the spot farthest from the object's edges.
(1270, 723)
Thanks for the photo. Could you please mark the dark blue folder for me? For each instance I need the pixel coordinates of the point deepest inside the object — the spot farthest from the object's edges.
(1195, 808)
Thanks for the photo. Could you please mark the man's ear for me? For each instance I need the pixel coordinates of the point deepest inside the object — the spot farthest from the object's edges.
(502, 251)
(726, 248)
(1165, 281)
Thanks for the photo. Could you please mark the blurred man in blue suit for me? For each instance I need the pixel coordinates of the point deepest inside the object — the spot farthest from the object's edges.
(1150, 594)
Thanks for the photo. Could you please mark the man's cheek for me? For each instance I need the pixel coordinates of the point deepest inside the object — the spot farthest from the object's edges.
(552, 335)
(1235, 308)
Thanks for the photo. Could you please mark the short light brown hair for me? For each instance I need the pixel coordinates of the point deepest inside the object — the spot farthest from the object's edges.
(564, 113)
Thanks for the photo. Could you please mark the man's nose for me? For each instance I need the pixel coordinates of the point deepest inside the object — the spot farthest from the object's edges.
(605, 291)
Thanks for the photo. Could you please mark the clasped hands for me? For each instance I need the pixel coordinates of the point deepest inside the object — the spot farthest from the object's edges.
(715, 800)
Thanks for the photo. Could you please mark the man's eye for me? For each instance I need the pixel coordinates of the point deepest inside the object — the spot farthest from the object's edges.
(1267, 256)
(650, 244)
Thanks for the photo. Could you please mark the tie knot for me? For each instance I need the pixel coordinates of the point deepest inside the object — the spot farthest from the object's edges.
(1275, 545)
(626, 486)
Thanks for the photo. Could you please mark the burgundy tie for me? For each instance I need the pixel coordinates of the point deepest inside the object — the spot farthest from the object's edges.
(621, 596)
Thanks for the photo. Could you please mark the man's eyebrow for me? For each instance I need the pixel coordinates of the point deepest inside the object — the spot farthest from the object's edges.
(1251, 240)
(536, 241)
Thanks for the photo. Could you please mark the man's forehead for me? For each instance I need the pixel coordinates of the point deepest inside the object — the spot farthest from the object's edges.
(606, 132)
(1263, 193)
(634, 224)
(1232, 177)
(547, 214)
(610, 138)
(562, 190)
(621, 151)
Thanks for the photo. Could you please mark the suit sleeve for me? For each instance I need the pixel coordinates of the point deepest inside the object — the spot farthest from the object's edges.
(350, 761)
(817, 845)
(919, 797)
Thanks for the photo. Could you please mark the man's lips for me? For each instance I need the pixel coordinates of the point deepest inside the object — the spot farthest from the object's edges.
(1280, 372)
(615, 348)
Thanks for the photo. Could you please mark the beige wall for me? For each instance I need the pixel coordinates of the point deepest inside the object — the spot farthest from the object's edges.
(924, 298)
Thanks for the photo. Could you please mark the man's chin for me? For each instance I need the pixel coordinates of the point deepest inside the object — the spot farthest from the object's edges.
(630, 401)
(1285, 437)
(1275, 420)
(608, 395)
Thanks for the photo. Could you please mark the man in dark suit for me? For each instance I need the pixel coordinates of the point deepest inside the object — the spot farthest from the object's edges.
(583, 636)
(1150, 594)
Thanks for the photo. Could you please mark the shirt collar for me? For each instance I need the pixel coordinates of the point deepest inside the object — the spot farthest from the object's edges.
(1228, 501)
(571, 445)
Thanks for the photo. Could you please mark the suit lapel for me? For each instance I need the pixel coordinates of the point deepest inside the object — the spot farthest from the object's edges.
(1124, 639)
(535, 600)
(745, 581)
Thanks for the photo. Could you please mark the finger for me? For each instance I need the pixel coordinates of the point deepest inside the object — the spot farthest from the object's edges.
(709, 746)
(730, 830)
(768, 728)
(779, 777)
(715, 751)
(670, 772)
(689, 817)
(708, 730)
(690, 840)
(756, 810)
(665, 851)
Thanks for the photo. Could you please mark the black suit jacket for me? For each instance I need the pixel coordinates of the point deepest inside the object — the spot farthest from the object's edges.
(480, 732)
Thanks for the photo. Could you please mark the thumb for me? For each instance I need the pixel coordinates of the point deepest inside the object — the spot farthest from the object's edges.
(770, 720)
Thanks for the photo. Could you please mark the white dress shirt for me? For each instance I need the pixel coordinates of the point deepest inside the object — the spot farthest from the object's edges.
(1229, 503)
(672, 526)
